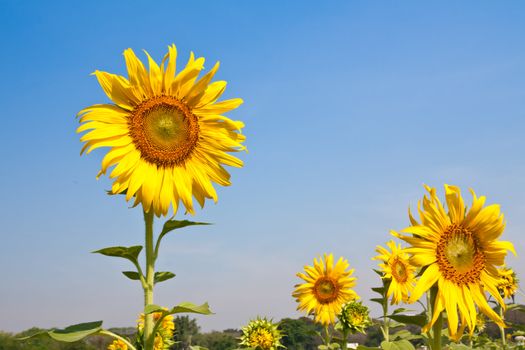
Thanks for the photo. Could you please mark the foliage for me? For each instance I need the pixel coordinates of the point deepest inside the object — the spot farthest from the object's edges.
(185, 330)
(300, 334)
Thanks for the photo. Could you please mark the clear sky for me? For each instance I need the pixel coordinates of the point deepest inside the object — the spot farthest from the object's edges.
(350, 107)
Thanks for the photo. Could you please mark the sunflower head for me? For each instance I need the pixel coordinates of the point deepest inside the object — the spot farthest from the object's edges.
(117, 345)
(481, 323)
(164, 335)
(168, 137)
(261, 334)
(327, 287)
(354, 317)
(396, 268)
(458, 250)
(508, 283)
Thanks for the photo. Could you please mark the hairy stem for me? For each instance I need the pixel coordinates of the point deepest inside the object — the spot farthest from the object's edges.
(149, 337)
(501, 329)
(438, 325)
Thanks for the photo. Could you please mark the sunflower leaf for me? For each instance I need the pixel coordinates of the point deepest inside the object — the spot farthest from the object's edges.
(72, 333)
(171, 225)
(380, 290)
(132, 275)
(185, 307)
(418, 320)
(151, 308)
(397, 345)
(378, 300)
(130, 253)
(162, 276)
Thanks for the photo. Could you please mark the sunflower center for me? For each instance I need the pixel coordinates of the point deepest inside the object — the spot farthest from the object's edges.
(164, 130)
(399, 271)
(326, 290)
(261, 338)
(459, 256)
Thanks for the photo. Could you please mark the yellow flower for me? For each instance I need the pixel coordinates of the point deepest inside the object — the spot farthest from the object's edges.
(508, 283)
(397, 268)
(167, 134)
(261, 334)
(326, 290)
(118, 345)
(459, 252)
(164, 335)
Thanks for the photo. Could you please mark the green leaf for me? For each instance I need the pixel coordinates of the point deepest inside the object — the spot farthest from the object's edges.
(130, 253)
(132, 275)
(380, 290)
(171, 225)
(401, 309)
(397, 345)
(380, 301)
(72, 333)
(151, 308)
(203, 309)
(163, 276)
(380, 273)
(322, 347)
(362, 347)
(418, 320)
(197, 347)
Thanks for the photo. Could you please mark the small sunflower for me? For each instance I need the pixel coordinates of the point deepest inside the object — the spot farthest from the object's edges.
(459, 251)
(167, 134)
(118, 345)
(508, 283)
(164, 335)
(355, 317)
(327, 288)
(261, 334)
(396, 267)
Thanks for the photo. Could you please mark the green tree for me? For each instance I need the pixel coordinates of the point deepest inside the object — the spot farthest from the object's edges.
(300, 334)
(226, 340)
(185, 330)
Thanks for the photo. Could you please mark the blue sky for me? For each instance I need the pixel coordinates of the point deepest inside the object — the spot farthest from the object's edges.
(350, 107)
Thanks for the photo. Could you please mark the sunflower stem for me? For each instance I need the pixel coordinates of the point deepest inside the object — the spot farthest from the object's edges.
(327, 335)
(501, 329)
(386, 320)
(344, 343)
(438, 325)
(149, 337)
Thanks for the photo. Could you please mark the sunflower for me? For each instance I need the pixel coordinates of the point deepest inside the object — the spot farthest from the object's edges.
(354, 317)
(164, 335)
(118, 345)
(167, 134)
(508, 284)
(459, 252)
(396, 267)
(261, 334)
(326, 290)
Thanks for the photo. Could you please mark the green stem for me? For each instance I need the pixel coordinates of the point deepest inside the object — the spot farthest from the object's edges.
(116, 336)
(327, 336)
(386, 320)
(344, 343)
(438, 325)
(501, 329)
(149, 337)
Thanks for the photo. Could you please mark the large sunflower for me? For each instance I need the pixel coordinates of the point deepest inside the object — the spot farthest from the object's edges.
(397, 268)
(460, 252)
(326, 290)
(167, 136)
